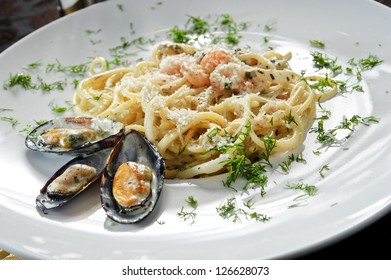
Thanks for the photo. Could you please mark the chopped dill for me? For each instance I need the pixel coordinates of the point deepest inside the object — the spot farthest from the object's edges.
(14, 122)
(90, 31)
(309, 190)
(21, 79)
(286, 165)
(28, 128)
(5, 110)
(57, 109)
(329, 137)
(270, 143)
(185, 215)
(197, 26)
(230, 210)
(317, 43)
(192, 201)
(78, 69)
(233, 28)
(270, 25)
(290, 119)
(45, 86)
(369, 62)
(323, 169)
(322, 61)
(238, 165)
(34, 65)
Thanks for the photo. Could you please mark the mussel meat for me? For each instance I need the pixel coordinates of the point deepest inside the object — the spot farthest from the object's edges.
(71, 181)
(74, 135)
(132, 184)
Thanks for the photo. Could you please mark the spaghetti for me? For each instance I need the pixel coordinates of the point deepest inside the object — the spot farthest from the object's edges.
(192, 102)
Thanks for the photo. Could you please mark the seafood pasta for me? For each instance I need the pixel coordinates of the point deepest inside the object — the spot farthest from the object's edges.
(196, 105)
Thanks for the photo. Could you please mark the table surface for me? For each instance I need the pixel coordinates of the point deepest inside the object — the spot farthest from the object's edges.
(370, 243)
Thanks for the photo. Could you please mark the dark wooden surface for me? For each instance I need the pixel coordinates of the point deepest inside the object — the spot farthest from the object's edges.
(20, 17)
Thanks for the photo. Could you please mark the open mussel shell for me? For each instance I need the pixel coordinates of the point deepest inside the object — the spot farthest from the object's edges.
(49, 198)
(74, 135)
(135, 149)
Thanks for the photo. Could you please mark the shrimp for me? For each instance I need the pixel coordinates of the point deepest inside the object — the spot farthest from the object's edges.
(171, 65)
(235, 77)
(198, 74)
(183, 65)
(214, 58)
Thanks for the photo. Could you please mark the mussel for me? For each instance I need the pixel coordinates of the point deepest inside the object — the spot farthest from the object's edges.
(74, 135)
(130, 169)
(71, 179)
(132, 180)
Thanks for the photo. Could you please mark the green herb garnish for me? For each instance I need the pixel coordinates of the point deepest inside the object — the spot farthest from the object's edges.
(21, 79)
(192, 201)
(57, 109)
(317, 43)
(323, 169)
(34, 65)
(329, 137)
(309, 190)
(322, 61)
(186, 215)
(12, 121)
(286, 165)
(270, 25)
(231, 211)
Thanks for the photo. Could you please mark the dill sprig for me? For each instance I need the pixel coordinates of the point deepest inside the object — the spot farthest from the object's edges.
(323, 169)
(323, 61)
(192, 201)
(231, 211)
(25, 81)
(76, 69)
(287, 164)
(309, 190)
(317, 43)
(238, 164)
(329, 137)
(232, 27)
(270, 143)
(14, 122)
(197, 26)
(187, 215)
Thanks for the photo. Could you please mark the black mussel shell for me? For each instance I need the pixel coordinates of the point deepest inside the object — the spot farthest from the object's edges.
(106, 134)
(98, 160)
(132, 147)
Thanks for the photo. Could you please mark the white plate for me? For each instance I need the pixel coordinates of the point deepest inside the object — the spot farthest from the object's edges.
(353, 192)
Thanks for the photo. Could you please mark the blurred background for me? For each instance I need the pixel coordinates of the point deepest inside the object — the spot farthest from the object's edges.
(18, 18)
